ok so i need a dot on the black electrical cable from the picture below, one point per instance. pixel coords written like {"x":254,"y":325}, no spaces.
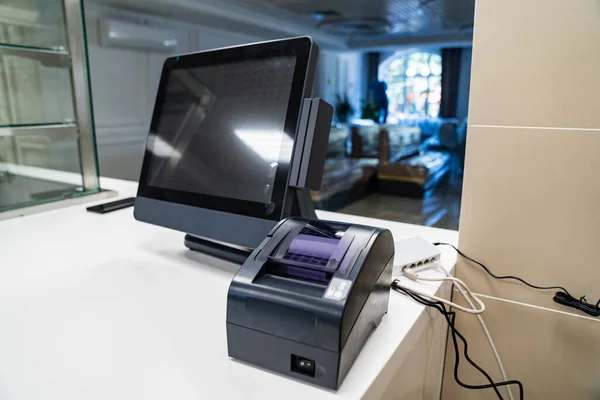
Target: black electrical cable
{"x":565,"y":299}
{"x":580,"y":304}
{"x":448,"y":315}
{"x":502,"y":277}
{"x":450,"y":319}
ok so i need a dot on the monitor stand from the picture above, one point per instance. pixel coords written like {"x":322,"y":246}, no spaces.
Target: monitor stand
{"x":232,"y":254}
{"x":302,"y":206}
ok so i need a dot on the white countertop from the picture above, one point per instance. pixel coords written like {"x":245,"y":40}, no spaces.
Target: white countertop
{"x":104,"y":307}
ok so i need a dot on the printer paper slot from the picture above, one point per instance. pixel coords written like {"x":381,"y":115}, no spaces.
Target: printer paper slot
{"x":321,"y":248}
{"x":298,"y":270}
{"x":310,"y":254}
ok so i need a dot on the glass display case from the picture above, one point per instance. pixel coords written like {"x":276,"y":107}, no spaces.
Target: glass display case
{"x":47,"y":143}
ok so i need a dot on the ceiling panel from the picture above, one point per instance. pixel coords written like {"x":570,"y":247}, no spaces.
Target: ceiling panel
{"x":403,"y":16}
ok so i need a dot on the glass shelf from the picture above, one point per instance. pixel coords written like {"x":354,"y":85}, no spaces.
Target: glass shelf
{"x":33,"y":93}
{"x":34,"y":23}
{"x":18,"y":191}
{"x":47,"y":57}
{"x":59,"y":50}
{"x":54,"y":131}
{"x":47,"y":148}
{"x":42,"y":124}
{"x":51,"y":147}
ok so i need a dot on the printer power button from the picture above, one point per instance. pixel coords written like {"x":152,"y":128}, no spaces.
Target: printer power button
{"x":303,"y":365}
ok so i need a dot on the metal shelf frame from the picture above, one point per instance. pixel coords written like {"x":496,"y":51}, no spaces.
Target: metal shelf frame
{"x":80,"y":82}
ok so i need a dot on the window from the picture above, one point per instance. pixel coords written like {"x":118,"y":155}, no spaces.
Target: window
{"x":414,"y":84}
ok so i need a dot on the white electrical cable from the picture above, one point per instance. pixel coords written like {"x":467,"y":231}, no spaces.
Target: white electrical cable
{"x":457,"y":282}
{"x":468,"y":295}
{"x":485,"y":330}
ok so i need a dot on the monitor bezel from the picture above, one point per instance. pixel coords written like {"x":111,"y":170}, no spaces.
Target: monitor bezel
{"x":305,"y":51}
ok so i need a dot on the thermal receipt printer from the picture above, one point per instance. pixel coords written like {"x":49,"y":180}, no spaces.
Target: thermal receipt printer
{"x":308,"y":297}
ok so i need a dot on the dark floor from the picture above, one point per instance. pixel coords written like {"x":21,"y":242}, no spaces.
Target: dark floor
{"x":440,"y":209}
{"x":18,"y":191}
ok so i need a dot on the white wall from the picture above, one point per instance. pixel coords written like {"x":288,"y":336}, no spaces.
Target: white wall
{"x":339,"y":73}
{"x":325,"y":78}
{"x":350,"y":78}
{"x":211,"y":39}
{"x":124,"y":84}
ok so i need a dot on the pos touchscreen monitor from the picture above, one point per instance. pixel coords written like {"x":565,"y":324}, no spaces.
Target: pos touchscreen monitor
{"x":219,"y":152}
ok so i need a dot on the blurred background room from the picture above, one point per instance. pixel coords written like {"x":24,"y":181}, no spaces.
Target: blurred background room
{"x":396,"y":71}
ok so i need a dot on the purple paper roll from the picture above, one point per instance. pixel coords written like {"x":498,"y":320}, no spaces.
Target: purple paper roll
{"x":314,"y":246}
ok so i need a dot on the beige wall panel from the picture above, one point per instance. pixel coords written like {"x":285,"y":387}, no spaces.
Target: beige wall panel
{"x":554,"y":355}
{"x":530,"y":208}
{"x":536,"y":63}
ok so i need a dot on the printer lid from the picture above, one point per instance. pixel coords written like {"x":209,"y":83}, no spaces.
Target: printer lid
{"x":313,"y":252}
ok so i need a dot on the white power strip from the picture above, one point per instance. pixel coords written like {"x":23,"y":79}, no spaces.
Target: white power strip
{"x":415,"y":253}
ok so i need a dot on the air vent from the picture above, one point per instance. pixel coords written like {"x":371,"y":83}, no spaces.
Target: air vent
{"x":355,"y":26}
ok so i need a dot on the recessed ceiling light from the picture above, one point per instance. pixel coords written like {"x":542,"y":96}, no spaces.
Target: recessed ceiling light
{"x":320,"y":15}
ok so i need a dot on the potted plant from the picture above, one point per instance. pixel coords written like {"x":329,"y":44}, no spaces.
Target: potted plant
{"x":370,"y":111}
{"x":343,"y":108}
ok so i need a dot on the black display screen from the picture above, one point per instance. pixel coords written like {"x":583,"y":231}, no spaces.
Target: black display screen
{"x":220,"y":131}
{"x":224,"y":127}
